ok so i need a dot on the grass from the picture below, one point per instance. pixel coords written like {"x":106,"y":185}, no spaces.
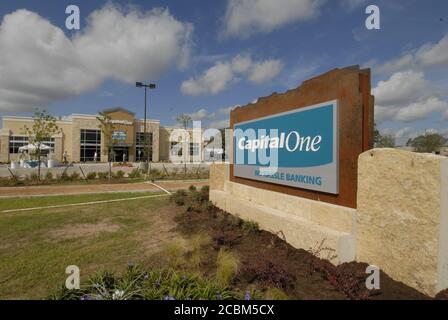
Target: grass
{"x":227,"y":267}
{"x":32,"y":202}
{"x":37,"y":246}
{"x":137,"y":284}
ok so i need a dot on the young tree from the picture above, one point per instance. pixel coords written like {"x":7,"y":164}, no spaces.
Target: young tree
{"x":386,"y":141}
{"x":44,"y":127}
{"x":428,"y":142}
{"x":107,"y":128}
{"x":376,"y":135}
{"x":184,"y":120}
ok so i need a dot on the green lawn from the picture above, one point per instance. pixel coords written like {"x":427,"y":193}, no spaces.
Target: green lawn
{"x":37,"y":246}
{"x":32,"y":202}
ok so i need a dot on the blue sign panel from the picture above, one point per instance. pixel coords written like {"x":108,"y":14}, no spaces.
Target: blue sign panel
{"x":119,"y":135}
{"x":298,"y":148}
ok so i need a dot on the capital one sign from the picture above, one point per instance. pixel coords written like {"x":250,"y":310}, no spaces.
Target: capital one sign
{"x":298,"y":148}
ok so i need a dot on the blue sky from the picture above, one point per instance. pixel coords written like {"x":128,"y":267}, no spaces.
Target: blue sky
{"x":207,"y":56}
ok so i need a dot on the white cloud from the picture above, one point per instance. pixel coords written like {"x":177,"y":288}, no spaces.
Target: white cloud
{"x":213,"y":81}
{"x":213,"y":119}
{"x":221,"y":75}
{"x":384,"y":113}
{"x":401,"y":88}
{"x":226,"y":111}
{"x":402,"y":63}
{"x":220,"y":124}
{"x":241,"y":63}
{"x":39,"y":64}
{"x":351,"y":5}
{"x":199,"y":115}
{"x":265,"y":71}
{"x":246,"y":17}
{"x":428,"y":56}
{"x":407,"y":113}
{"x":401,"y":135}
{"x":420,"y":110}
{"x":406,"y":96}
{"x":434,"y":55}
{"x":405,"y":133}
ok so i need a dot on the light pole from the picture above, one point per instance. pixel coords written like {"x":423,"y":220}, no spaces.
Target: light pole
{"x":146,"y":145}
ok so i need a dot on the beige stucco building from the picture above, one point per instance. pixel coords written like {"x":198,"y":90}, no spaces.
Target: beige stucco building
{"x":82,"y":139}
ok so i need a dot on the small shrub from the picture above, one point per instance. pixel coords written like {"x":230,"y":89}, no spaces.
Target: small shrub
{"x":135,"y":174}
{"x":138,"y":284}
{"x":227,"y":268}
{"x":192,"y":188}
{"x":266,"y":269}
{"x":250,"y":227}
{"x":209,"y":207}
{"x":155,"y":173}
{"x":48,"y":176}
{"x":275,"y":294}
{"x":197,"y":244}
{"x":34,"y":177}
{"x":321,"y":252}
{"x":64,"y":177}
{"x":174,"y":253}
{"x":103,"y":175}
{"x":179,"y":197}
{"x":119,"y":174}
{"x":199,"y":241}
{"x":75,"y":176}
{"x":205,"y":191}
{"x":91,"y":176}
{"x":6,"y":182}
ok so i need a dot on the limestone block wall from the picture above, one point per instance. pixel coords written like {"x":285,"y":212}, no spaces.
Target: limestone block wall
{"x":58,"y":146}
{"x":302,"y":222}
{"x":4,"y":145}
{"x":399,"y":225}
{"x":402,"y":220}
{"x":218,"y":176}
{"x":152,"y":126}
{"x":82,"y":122}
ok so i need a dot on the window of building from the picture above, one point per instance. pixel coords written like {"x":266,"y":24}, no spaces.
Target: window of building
{"x":16,"y":142}
{"x":140,"y":146}
{"x":176,"y":149}
{"x":90,"y":144}
{"x":49,"y":142}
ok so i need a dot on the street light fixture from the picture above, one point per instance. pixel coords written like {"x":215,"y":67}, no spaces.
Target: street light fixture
{"x":146,"y":86}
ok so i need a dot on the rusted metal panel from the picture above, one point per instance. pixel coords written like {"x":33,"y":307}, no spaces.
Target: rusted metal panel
{"x":351,"y":87}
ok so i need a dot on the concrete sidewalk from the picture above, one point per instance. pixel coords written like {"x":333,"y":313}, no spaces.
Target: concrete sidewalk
{"x":57,"y":190}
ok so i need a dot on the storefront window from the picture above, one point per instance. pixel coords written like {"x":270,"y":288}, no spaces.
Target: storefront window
{"x":17,"y":142}
{"x":140,"y":146}
{"x":90,"y":144}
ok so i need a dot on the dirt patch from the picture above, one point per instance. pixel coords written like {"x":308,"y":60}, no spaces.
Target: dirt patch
{"x":162,"y":230}
{"x":268,"y":261}
{"x":83,"y":230}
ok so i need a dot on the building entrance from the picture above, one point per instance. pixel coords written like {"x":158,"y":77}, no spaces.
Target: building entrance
{"x":120,"y":154}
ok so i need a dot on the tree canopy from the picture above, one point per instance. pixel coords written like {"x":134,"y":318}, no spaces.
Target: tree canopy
{"x":428,"y":142}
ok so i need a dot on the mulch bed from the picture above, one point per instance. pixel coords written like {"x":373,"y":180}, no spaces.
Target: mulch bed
{"x":268,"y":261}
